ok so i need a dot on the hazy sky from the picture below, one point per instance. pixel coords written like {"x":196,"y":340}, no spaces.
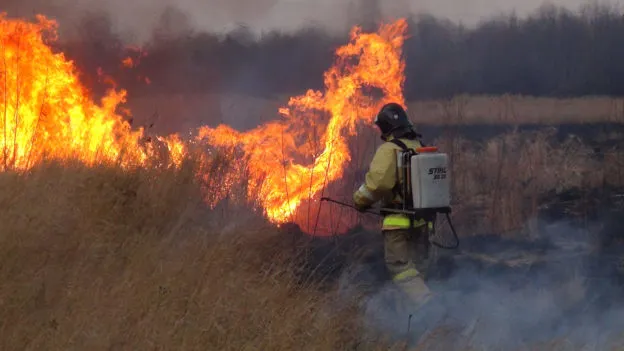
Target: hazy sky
{"x":139,"y":16}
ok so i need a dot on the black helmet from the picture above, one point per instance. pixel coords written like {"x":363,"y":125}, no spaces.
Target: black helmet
{"x":392,"y":120}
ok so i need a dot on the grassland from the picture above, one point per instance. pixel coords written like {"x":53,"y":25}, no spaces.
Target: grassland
{"x":100,"y":258}
{"x":103,"y":259}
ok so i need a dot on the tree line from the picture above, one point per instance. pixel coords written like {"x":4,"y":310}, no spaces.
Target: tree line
{"x":553,"y":52}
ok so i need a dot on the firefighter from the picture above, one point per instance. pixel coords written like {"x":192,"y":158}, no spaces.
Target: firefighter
{"x":406,"y":246}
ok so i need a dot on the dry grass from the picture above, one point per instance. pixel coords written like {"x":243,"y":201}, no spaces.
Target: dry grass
{"x":107,"y":259}
{"x":498,"y":184}
{"x":94,"y":259}
{"x":99,"y":258}
{"x":515,"y":109}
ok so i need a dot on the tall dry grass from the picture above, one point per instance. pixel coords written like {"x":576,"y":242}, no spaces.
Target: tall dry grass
{"x":99,"y":259}
{"x":498,"y":185}
{"x":517,"y":109}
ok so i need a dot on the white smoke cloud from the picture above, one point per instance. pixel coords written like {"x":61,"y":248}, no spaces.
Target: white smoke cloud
{"x":569,"y":298}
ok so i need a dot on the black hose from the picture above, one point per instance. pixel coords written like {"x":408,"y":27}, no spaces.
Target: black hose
{"x":448,"y":218}
{"x":347,"y":205}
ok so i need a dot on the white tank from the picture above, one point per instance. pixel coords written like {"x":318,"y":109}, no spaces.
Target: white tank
{"x":430,"y":180}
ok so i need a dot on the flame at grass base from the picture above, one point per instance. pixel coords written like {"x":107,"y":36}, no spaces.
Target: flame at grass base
{"x":286,"y":161}
{"x":46,"y":113}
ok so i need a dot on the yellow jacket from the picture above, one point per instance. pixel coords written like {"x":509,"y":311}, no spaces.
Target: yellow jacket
{"x":380,"y":181}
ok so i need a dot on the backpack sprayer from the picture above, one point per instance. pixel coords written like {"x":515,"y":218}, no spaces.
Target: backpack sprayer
{"x":424,"y":186}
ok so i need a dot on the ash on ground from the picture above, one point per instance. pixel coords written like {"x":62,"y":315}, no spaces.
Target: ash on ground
{"x":564,"y":288}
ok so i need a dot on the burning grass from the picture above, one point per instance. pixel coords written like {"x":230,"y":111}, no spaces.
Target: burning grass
{"x":46,"y":113}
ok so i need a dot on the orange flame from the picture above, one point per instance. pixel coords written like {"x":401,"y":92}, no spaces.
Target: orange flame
{"x":128,"y":62}
{"x":45,"y":113}
{"x":137,"y":52}
{"x":285,"y":164}
{"x":133,"y":60}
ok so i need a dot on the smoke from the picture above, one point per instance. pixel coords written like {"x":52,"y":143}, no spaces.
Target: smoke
{"x":471,"y":12}
{"x":199,"y":47}
{"x":136,"y":20}
{"x":561,"y":292}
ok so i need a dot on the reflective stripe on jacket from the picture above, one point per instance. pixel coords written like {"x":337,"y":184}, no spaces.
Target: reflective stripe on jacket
{"x":380,"y":181}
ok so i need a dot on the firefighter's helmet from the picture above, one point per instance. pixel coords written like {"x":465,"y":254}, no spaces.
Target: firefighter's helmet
{"x":392,"y":120}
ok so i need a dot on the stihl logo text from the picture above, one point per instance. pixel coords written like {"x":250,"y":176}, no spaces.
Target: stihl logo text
{"x":438,"y":173}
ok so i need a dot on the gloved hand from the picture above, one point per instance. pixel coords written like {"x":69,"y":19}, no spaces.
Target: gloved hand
{"x":360,"y":201}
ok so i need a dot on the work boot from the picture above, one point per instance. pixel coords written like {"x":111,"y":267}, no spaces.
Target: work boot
{"x":417,"y":292}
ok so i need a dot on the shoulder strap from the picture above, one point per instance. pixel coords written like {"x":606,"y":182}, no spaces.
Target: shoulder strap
{"x":402,"y":175}
{"x":400,"y":144}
